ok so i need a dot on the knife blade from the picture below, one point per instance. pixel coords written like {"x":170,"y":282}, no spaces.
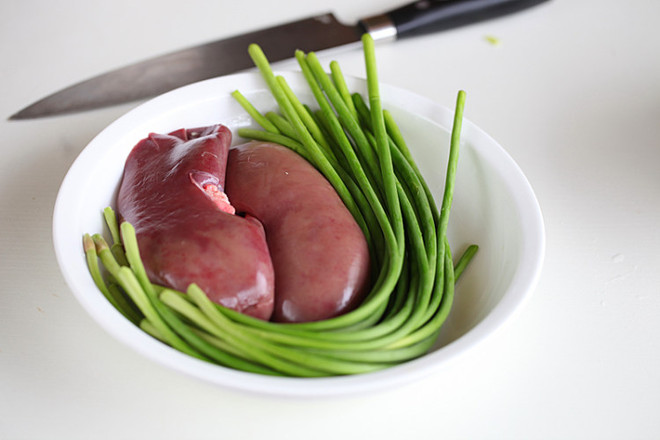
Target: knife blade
{"x":314,"y":34}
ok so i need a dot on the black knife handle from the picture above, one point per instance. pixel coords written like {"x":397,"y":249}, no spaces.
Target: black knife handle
{"x":426,"y":16}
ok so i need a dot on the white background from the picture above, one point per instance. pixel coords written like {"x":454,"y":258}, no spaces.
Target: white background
{"x":572,"y":92}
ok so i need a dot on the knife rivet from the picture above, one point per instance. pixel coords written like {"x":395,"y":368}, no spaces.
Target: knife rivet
{"x":423,"y":4}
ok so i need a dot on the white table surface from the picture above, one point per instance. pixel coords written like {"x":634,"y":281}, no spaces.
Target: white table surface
{"x":572,"y":91}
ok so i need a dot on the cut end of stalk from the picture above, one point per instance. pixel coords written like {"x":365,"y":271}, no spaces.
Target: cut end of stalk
{"x":127,"y":228}
{"x":100,"y":243}
{"x":88,"y":243}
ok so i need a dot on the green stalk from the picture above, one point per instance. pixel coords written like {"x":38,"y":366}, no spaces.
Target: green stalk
{"x":250,"y":133}
{"x":129,"y":282}
{"x":282,"y":124}
{"x":214,"y":351}
{"x":465,"y":259}
{"x":342,"y":88}
{"x":133,"y":256}
{"x":383,"y":149}
{"x":254,"y":113}
{"x":111,"y":221}
{"x":363,"y":153}
{"x":94,"y":270}
{"x":318,"y":362}
{"x":306,"y":118}
{"x":432,"y":327}
{"x":132,"y":286}
{"x":452,"y":164}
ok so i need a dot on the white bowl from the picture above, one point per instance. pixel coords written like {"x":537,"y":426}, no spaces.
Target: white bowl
{"x":494,"y":207}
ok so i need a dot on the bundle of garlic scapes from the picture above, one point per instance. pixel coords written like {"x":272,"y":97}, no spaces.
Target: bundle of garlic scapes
{"x":358,"y":148}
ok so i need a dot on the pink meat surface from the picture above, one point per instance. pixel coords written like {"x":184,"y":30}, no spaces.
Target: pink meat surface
{"x":319,"y":253}
{"x":172,"y":193}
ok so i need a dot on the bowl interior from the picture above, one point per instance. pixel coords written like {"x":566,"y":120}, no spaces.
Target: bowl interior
{"x":494,"y":207}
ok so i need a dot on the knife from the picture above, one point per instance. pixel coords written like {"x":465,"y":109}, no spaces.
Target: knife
{"x":161,"y":74}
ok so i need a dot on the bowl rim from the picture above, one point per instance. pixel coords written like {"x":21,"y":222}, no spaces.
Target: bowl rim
{"x":523,"y":283}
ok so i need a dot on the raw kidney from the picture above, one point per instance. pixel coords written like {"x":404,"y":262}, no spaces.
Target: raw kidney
{"x":172,"y":193}
{"x":319,"y":253}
